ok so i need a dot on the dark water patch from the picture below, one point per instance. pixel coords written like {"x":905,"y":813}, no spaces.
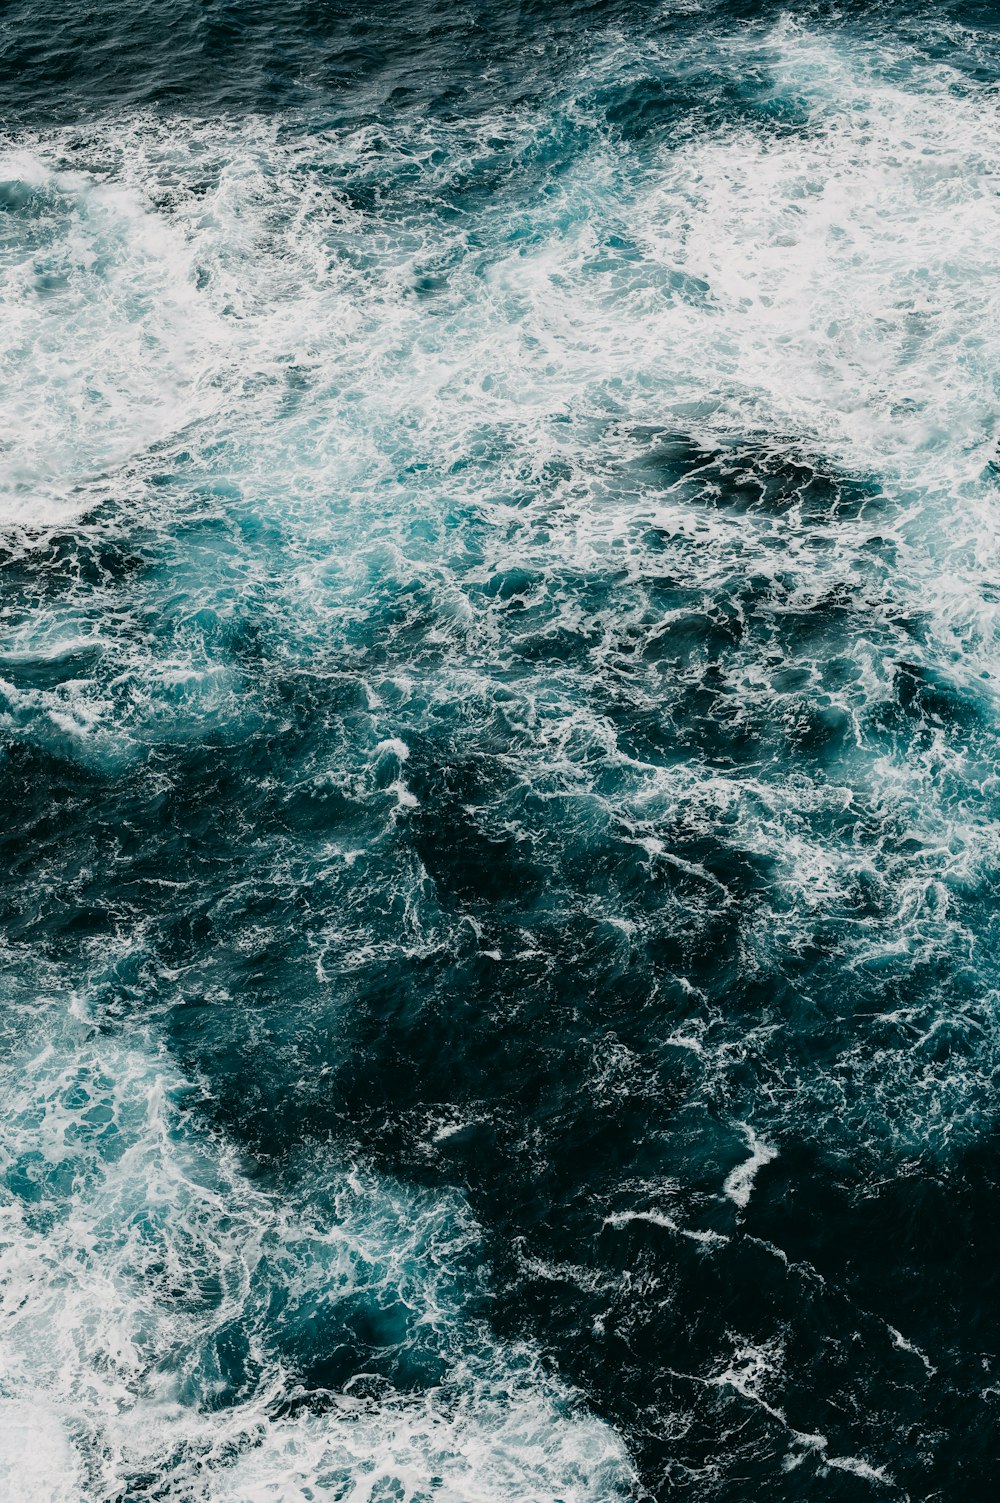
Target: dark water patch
{"x":929,"y":701}
{"x":45,"y":670}
{"x":246,"y":55}
{"x":238,"y":55}
{"x":696,"y":93}
{"x":64,"y":561}
{"x":329,"y":1342}
{"x":466,"y":851}
{"x":742,"y":478}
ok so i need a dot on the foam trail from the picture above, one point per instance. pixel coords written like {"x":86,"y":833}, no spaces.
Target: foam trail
{"x":739,"y":1184}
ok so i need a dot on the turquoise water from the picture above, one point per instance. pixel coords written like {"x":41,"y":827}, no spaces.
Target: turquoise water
{"x":498,"y":652}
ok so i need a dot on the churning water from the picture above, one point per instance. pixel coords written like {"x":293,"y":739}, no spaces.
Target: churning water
{"x":499,"y":602}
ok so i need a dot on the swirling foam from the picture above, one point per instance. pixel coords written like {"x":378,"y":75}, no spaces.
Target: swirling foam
{"x":151,"y":1295}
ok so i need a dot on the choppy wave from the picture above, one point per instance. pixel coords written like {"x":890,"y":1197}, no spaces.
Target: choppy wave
{"x":497,"y":685}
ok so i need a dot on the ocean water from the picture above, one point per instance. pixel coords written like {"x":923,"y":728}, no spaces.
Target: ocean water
{"x":499,"y":603}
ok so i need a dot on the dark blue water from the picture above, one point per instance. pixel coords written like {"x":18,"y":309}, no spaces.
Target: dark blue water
{"x":498,"y":658}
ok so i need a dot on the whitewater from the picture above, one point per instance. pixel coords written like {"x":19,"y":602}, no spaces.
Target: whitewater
{"x":499,"y":604}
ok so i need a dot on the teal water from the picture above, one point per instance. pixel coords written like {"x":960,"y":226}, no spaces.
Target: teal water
{"x":498,"y":652}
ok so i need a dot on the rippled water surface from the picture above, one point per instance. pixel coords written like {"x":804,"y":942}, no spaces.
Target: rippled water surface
{"x":499,"y":598}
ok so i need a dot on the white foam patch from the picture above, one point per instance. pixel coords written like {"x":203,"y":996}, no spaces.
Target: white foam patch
{"x":828,"y":291}
{"x":830,"y":287}
{"x":37,"y":1461}
{"x":845,"y":314}
{"x":133,"y":1249}
{"x":103,"y":337}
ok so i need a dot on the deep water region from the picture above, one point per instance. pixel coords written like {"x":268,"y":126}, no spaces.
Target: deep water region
{"x":499,"y":601}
